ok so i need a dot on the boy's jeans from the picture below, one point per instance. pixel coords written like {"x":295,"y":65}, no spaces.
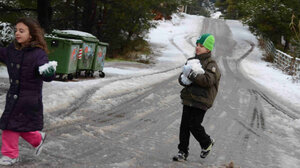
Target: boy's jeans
{"x":10,"y":141}
{"x":191,"y":123}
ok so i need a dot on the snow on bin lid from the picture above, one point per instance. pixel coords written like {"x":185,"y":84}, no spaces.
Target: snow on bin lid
{"x":75,"y":34}
{"x":78,"y":33}
{"x":50,"y":36}
{"x":6,"y":32}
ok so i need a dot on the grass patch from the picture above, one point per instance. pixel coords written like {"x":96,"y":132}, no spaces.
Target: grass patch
{"x":136,"y":51}
{"x":268,"y":57}
{"x":107,"y":59}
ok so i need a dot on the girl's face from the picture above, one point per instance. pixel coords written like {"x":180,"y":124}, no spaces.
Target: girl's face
{"x":200,"y":49}
{"x":22,"y":34}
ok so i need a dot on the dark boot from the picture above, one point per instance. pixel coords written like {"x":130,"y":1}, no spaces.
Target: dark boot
{"x":181,"y":156}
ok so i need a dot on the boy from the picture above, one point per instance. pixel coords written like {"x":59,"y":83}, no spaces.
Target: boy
{"x":200,"y":83}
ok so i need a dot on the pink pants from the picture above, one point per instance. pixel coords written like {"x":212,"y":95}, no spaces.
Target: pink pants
{"x":10,"y":141}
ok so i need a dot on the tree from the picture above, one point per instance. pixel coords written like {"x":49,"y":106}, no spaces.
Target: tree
{"x":197,"y":7}
{"x":222,"y":5}
{"x":40,"y":9}
{"x":89,"y":15}
{"x":268,"y":18}
{"x":295,"y":28}
{"x":12,"y":10}
{"x":123,"y":24}
{"x":44,"y":12}
{"x":167,"y":7}
{"x":232,"y":9}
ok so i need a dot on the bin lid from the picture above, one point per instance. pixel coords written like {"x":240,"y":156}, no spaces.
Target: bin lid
{"x":52,"y":37}
{"x":102,"y":43}
{"x":75,"y":34}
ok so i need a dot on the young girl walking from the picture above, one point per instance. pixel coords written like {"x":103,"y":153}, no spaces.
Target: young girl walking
{"x":27,"y":65}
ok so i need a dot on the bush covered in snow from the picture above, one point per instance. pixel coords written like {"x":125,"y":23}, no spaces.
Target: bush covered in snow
{"x":6,"y":33}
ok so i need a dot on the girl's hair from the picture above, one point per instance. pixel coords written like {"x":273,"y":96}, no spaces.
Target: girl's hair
{"x":36,"y":32}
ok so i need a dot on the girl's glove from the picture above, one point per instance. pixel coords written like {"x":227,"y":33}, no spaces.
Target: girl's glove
{"x":48,"y":69}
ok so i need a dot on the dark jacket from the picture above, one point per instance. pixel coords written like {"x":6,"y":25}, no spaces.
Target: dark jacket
{"x":202,"y":91}
{"x":24,"y":108}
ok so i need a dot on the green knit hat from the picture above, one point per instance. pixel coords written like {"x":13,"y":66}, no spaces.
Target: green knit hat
{"x":207,"y":40}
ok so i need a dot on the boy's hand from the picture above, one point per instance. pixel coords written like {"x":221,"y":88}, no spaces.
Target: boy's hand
{"x":185,"y":80}
{"x":192,"y":74}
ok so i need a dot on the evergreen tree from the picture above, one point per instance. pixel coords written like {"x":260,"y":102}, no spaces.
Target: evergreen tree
{"x":198,"y":7}
{"x":268,"y":18}
{"x":222,"y":5}
{"x":122,"y":24}
{"x":232,"y":9}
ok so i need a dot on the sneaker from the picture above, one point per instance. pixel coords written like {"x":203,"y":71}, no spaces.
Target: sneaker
{"x":7,"y":161}
{"x":39,"y":148}
{"x":205,"y":152}
{"x":181,"y":156}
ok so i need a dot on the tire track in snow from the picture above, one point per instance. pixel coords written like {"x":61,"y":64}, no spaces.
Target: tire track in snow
{"x":260,"y":93}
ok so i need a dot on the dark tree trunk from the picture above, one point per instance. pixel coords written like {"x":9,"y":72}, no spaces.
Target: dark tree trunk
{"x":44,"y":12}
{"x":76,"y":15}
{"x":101,"y":21}
{"x":89,"y":16}
{"x":286,"y":45}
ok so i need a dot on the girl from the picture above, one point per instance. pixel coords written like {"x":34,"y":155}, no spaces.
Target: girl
{"x":23,"y":113}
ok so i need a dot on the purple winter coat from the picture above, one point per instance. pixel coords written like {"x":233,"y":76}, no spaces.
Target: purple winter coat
{"x":24,"y":107}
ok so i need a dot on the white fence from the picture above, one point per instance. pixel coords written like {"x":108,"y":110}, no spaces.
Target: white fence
{"x":284,"y":61}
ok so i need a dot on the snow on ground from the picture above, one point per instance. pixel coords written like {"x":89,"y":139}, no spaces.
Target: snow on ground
{"x":272,"y":80}
{"x":216,"y":15}
{"x":3,"y":72}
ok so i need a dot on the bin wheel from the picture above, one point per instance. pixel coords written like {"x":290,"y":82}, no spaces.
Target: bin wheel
{"x":63,"y":77}
{"x":70,"y":76}
{"x":87,"y":73}
{"x":77,"y":74}
{"x":101,"y":74}
{"x":60,"y":77}
{"x":92,"y":73}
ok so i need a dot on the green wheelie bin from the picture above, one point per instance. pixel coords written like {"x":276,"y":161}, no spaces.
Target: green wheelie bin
{"x":98,"y":63}
{"x":88,"y":47}
{"x":65,"y":51}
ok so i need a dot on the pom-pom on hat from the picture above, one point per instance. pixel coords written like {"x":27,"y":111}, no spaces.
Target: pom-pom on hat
{"x":207,"y":40}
